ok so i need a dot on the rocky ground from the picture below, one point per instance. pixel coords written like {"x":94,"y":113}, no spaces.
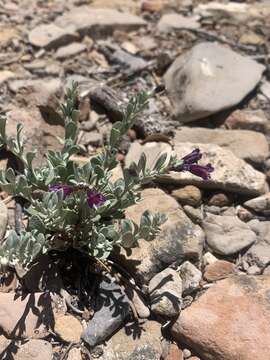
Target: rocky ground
{"x":203,"y":284}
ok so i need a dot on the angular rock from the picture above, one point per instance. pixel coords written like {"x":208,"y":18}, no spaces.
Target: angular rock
{"x":165,"y":291}
{"x":260,"y":204}
{"x":259,"y":253}
{"x":69,"y":50}
{"x":95,"y":22}
{"x":74,"y":354}
{"x":209,"y":259}
{"x":3,"y":219}
{"x":6,"y":75}
{"x":25,"y":317}
{"x":68,"y":328}
{"x":227,"y":235}
{"x":188,"y":195}
{"x":247,"y":145}
{"x":218,"y":270}
{"x":125,"y":345}
{"x":179,"y":237}
{"x":247,"y":120}
{"x":190,"y":276}
{"x":174,"y":21}
{"x":231,"y":173}
{"x":113,"y":308}
{"x":34,"y":349}
{"x":228,"y":320}
{"x":196,"y":79}
{"x":196,"y":215}
{"x":51,"y":36}
{"x":175,"y":353}
{"x":219,"y":199}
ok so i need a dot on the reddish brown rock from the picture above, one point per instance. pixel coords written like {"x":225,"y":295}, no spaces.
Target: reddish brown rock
{"x":27,"y":316}
{"x":230,"y":321}
{"x":175,"y":353}
{"x":218,"y":270}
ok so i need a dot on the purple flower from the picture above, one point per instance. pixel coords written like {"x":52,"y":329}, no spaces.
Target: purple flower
{"x":193,"y":157}
{"x":201,"y":171}
{"x":190,"y":163}
{"x":67,"y":189}
{"x":95,"y":198}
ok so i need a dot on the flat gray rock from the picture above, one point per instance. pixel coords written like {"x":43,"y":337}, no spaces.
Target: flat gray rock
{"x":174,"y":21}
{"x":51,"y":36}
{"x":209,"y":78}
{"x":70,"y":50}
{"x":96,"y":22}
{"x":227,"y":235}
{"x":247,"y":145}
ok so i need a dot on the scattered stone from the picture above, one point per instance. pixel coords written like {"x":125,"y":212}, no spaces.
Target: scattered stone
{"x":6,"y":35}
{"x":31,"y":315}
{"x":3,"y":219}
{"x":228,"y":320}
{"x":68,"y":328}
{"x":231,"y":174}
{"x":196,"y":215}
{"x":165,"y":291}
{"x":135,"y":342}
{"x":6,"y":75}
{"x":33,"y":349}
{"x":96,"y":22}
{"x":219,"y":199}
{"x":209,"y":259}
{"x":227,"y":235}
{"x":254,"y":270}
{"x":251,"y":38}
{"x":112,"y":310}
{"x":74,"y":354}
{"x":260,"y":204}
{"x":247,"y":145}
{"x":69,"y":50}
{"x":128,"y":61}
{"x":244,"y":214}
{"x":152,"y":5}
{"x":179,"y":237}
{"x":259,"y":253}
{"x":138,"y":302}
{"x":247,"y":120}
{"x":218,"y":270}
{"x":188,"y":195}
{"x":190,"y":276}
{"x":93,"y":138}
{"x":187,"y":353}
{"x":51,"y":36}
{"x":196,"y":79}
{"x":175,"y":353}
{"x":173,"y":21}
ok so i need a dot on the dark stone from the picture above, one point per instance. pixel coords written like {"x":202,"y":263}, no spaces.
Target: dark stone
{"x":111,"y":310}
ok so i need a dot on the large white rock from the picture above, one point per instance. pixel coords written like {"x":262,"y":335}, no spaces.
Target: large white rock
{"x":209,"y":78}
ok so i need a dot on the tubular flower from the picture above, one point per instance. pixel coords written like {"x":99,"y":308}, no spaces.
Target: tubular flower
{"x":190,"y":163}
{"x":95,"y":198}
{"x":67,"y":189}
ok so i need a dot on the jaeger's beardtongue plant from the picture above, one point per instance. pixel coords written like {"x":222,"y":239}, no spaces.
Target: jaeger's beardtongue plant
{"x":73,"y":206}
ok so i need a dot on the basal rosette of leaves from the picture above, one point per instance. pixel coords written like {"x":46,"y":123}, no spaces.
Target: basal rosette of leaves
{"x":57,"y":220}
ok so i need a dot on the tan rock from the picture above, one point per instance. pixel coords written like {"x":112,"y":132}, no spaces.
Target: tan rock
{"x":230,"y":321}
{"x":175,"y":353}
{"x":178,"y":238}
{"x":6,"y":75}
{"x":260,"y":204}
{"x":219,"y":199}
{"x":29,"y":316}
{"x":188,"y":195}
{"x":74,"y":354}
{"x":218,"y":270}
{"x":68,"y":328}
{"x":34,"y":349}
{"x":247,"y":120}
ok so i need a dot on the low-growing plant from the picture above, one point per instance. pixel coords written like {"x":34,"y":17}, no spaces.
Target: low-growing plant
{"x":78,"y":206}
{"x":69,"y":205}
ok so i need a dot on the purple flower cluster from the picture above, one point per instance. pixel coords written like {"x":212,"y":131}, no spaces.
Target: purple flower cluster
{"x":94,"y":198}
{"x":190,"y":163}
